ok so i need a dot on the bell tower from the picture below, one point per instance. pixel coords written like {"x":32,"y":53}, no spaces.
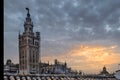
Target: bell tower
{"x":29,"y":44}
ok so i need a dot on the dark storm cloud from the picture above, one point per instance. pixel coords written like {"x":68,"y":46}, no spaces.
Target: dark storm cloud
{"x":63,"y":23}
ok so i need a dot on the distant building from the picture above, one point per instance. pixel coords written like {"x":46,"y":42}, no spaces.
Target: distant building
{"x":29,"y":44}
{"x":56,"y":68}
{"x":9,"y":67}
{"x":104,"y":71}
{"x":46,"y":68}
{"x":60,"y":67}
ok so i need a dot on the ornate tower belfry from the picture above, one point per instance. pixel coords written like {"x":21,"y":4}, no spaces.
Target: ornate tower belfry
{"x":29,"y":44}
{"x":28,"y":25}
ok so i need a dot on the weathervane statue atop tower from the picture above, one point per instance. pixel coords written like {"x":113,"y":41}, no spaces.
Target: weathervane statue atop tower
{"x":28,"y":12}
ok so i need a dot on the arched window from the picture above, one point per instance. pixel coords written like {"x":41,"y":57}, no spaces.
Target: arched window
{"x":30,"y":29}
{"x":29,"y":41}
{"x":25,"y":28}
{"x":33,"y":58}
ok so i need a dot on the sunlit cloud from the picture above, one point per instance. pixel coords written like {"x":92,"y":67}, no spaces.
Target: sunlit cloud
{"x":95,"y":57}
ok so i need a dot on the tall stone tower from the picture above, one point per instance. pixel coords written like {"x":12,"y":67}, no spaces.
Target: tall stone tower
{"x":29,"y":44}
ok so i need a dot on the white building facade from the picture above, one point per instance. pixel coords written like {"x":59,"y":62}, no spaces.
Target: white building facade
{"x":29,"y":44}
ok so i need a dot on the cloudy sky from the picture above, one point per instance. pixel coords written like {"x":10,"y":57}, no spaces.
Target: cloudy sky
{"x":84,"y":33}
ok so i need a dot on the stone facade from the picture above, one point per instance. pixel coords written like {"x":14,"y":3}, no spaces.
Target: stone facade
{"x":9,"y":67}
{"x":29,"y":44}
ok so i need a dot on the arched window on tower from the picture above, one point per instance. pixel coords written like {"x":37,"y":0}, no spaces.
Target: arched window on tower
{"x":30,"y":29}
{"x":33,"y":58}
{"x":23,"y":54}
{"x":36,"y":56}
{"x":25,"y":29}
{"x":29,"y":41}
{"x":30,"y":55}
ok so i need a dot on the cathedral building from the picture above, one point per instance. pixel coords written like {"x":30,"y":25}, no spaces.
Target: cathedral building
{"x":29,"y":44}
{"x":104,"y":71}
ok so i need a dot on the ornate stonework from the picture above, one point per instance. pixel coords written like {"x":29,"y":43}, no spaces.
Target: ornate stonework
{"x":29,"y":44}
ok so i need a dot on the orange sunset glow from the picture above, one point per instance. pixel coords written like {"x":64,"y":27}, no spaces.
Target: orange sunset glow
{"x":89,"y":58}
{"x":61,"y":39}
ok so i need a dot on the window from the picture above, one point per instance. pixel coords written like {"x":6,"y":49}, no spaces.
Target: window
{"x":30,"y":29}
{"x":36,"y":43}
{"x":23,"y":62}
{"x":25,"y":29}
{"x":29,"y":41}
{"x":33,"y":58}
{"x":20,"y":42}
{"x":33,"y":66}
{"x":33,"y":41}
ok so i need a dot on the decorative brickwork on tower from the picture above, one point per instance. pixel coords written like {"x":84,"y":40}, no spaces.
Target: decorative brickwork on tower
{"x":29,"y":44}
